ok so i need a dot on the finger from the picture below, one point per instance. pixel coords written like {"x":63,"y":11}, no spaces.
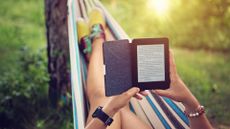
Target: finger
{"x":164,"y":93}
{"x":172,"y":62}
{"x":131,"y":92}
{"x":144,"y":93}
{"x":138,"y":96}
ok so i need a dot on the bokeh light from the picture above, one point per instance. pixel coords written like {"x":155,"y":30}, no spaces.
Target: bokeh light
{"x":160,"y":7}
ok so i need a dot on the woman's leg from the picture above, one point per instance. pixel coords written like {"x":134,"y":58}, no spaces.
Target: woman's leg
{"x":130,"y":121}
{"x":95,"y":83}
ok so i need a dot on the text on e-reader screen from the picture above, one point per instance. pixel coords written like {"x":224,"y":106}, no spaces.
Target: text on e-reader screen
{"x":150,"y":63}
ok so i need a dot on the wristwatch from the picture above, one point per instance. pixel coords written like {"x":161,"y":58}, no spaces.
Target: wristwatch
{"x":98,"y":113}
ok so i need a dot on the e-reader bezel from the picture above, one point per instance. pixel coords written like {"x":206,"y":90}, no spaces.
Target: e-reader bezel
{"x":155,"y":84}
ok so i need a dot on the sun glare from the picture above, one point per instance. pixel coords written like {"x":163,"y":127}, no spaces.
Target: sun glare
{"x":159,"y":6}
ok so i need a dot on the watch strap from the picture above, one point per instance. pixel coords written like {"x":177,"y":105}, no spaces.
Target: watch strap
{"x":102,"y":116}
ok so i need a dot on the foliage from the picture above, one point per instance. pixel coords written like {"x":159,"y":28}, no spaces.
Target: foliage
{"x":24,"y":102}
{"x":23,"y":89}
{"x":24,"y":79}
{"x":192,"y":24}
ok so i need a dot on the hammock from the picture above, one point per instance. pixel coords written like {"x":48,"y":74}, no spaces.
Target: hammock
{"x":159,"y":112}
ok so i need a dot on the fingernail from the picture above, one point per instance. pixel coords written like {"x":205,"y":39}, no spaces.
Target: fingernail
{"x":140,"y":95}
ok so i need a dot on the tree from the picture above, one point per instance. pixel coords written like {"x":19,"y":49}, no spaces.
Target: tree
{"x":57,"y":48}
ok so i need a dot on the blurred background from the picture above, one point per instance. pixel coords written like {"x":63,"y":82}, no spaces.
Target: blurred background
{"x":199,"y":33}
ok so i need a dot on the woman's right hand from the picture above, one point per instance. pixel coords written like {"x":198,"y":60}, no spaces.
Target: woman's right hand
{"x":178,"y":90}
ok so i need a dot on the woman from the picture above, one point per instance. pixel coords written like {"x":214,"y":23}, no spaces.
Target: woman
{"x":116,"y":107}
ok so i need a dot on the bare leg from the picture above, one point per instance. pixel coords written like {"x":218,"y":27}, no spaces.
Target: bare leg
{"x":130,"y":121}
{"x":95,"y":84}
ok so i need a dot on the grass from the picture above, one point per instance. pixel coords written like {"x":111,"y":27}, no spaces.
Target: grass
{"x":21,"y":23}
{"x":206,"y":74}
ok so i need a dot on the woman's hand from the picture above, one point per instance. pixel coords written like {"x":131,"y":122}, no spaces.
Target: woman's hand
{"x":119,"y":101}
{"x":178,"y":90}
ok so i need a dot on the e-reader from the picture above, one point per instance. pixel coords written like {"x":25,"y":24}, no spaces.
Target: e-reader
{"x":150,"y":62}
{"x":143,"y":63}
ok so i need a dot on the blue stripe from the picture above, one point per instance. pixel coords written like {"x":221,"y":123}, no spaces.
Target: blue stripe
{"x":177,"y":110}
{"x":162,"y":119}
{"x":84,"y":66}
{"x":131,"y":108}
{"x":167,"y":112}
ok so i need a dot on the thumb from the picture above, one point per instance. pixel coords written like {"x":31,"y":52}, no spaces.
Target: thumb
{"x":130,"y":93}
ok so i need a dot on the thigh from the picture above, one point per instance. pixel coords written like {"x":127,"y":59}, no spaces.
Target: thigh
{"x":130,"y":121}
{"x":100,"y":102}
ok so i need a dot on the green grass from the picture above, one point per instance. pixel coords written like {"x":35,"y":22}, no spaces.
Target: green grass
{"x":21,"y":23}
{"x":207,"y":75}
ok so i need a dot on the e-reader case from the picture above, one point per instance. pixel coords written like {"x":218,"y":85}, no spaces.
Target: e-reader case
{"x":117,"y":62}
{"x":120,"y":69}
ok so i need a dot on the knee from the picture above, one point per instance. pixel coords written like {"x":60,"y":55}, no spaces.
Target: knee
{"x":95,"y":94}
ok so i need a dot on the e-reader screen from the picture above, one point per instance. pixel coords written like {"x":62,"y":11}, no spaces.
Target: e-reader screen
{"x":150,"y":63}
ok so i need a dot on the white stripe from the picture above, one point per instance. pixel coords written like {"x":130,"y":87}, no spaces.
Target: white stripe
{"x":71,"y":42}
{"x":88,"y":6}
{"x":138,"y":110}
{"x":152,"y":116}
{"x":91,"y":3}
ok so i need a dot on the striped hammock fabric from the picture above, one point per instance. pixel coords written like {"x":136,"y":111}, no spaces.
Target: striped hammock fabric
{"x":159,"y":112}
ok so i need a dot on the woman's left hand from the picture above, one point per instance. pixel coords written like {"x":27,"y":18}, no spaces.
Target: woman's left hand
{"x":119,"y":101}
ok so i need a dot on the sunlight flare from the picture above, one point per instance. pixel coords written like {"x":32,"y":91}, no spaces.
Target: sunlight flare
{"x":160,"y":7}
